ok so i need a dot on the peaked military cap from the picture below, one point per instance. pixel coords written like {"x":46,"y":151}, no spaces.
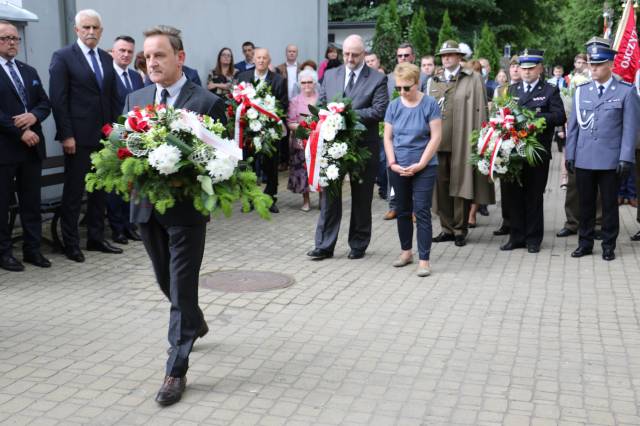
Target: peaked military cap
{"x":449,"y":47}
{"x":599,"y":51}
{"x":529,"y":58}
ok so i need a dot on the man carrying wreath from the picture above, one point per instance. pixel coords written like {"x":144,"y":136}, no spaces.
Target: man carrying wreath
{"x":175,"y":240}
{"x":367,"y":89}
{"x":526,"y":198}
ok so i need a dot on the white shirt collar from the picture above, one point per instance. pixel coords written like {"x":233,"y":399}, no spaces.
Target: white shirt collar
{"x":4,"y":61}
{"x":448,"y":74}
{"x":532,"y":84}
{"x":119,"y":70}
{"x":356,"y":71}
{"x":606,"y":84}
{"x":85,"y":49}
{"x":255,"y":75}
{"x":174,"y":90}
{"x":295,"y":64}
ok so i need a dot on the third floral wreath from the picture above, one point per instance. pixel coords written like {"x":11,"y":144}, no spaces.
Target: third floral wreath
{"x":507,"y":141}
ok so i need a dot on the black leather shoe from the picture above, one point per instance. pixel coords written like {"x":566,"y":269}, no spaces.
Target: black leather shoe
{"x":356,"y":254}
{"x":483,"y":210}
{"x":274,"y":208}
{"x":581,"y":251}
{"x":460,"y":241}
{"x":37,"y":259}
{"x":74,"y":253}
{"x":102,"y":246}
{"x":120,"y":239}
{"x":503,"y":230}
{"x":132,"y":235}
{"x":533,"y":248}
{"x":636,"y":237}
{"x":171,"y":390}
{"x":508,"y":246}
{"x":10,"y":263}
{"x":442,"y":237}
{"x":318,"y":254}
{"x":565,"y":232}
{"x":608,"y":254}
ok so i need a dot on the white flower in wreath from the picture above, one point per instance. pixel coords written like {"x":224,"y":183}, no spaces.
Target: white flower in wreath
{"x":332,"y":172}
{"x":272,"y":133}
{"x":338,"y":150}
{"x":252,"y":114}
{"x":324,"y":162}
{"x":506,"y":147}
{"x":165,"y":159}
{"x":180,"y":125}
{"x":483,"y":167}
{"x":328,"y":131}
{"x":270,"y":103}
{"x":323,"y":182}
{"x":255,"y":125}
{"x":257,"y":143}
{"x":221,"y":168}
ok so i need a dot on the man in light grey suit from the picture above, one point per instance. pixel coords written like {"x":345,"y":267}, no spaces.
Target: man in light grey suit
{"x":367,"y":90}
{"x":603,"y":130}
{"x":175,"y":240}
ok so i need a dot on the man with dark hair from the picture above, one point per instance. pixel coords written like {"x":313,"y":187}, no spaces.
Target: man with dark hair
{"x":24,"y":107}
{"x":248,"y":51}
{"x":84,"y":97}
{"x":127,"y":80}
{"x":174,"y":240}
{"x":428,"y":65}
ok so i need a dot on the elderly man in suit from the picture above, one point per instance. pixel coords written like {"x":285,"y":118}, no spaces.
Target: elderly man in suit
{"x":526,"y":199}
{"x":175,"y":240}
{"x":367,"y":89}
{"x":261,"y":72}
{"x":84,"y":97}
{"x":127,"y":80}
{"x":603,"y":130}
{"x":24,"y":106}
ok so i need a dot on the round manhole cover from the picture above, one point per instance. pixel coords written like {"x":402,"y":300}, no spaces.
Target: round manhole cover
{"x":245,"y":281}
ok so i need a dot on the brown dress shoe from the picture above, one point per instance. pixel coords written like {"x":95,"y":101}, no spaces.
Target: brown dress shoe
{"x":171,"y":390}
{"x":390,"y":215}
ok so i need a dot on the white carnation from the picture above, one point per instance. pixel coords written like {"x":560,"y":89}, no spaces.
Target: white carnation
{"x":270,"y":103}
{"x":272,"y":133}
{"x":328,"y":132}
{"x":483,"y":167}
{"x":257,"y":143}
{"x":332,"y":172}
{"x":252,"y":114}
{"x":338,"y":150}
{"x":165,"y":159}
{"x":179,"y":125}
{"x":324,"y":162}
{"x":506,"y":147}
{"x":221,"y":168}
{"x":255,"y":125}
{"x":323,"y":182}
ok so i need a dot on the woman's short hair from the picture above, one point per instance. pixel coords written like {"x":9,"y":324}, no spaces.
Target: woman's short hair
{"x":306,"y":73}
{"x":407,"y":71}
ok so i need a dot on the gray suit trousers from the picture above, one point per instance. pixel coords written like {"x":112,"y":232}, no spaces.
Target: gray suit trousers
{"x":176,"y":253}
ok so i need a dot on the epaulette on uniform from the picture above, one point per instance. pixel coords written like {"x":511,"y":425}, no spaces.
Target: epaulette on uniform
{"x":585,"y":83}
{"x":625,"y":83}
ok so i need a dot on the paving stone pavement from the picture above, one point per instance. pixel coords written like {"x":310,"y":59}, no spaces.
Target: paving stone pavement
{"x":491,"y":338}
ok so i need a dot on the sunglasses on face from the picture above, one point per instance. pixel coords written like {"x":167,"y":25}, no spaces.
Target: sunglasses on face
{"x":405,"y":88}
{"x":403,"y":55}
{"x":306,"y":82}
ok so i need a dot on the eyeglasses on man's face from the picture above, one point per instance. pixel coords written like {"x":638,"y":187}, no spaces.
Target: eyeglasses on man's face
{"x":8,"y":39}
{"x":306,"y":82}
{"x":403,"y":55}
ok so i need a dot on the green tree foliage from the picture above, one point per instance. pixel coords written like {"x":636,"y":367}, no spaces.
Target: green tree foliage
{"x":488,"y":48}
{"x":418,"y":34}
{"x":447,"y":31}
{"x":388,"y":35}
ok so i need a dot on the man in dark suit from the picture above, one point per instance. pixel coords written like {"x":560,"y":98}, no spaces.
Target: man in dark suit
{"x":84,"y":97}
{"x":24,"y":106}
{"x":367,"y":90}
{"x":127,"y":80}
{"x":526,"y":200}
{"x":278,"y":85}
{"x":175,"y":240}
{"x":248,"y":63}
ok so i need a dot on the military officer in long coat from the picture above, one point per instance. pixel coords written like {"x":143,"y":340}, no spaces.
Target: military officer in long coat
{"x":603,"y":130}
{"x":461,"y":94}
{"x":526,"y":198}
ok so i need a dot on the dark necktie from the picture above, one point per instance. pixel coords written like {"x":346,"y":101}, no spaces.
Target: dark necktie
{"x":558,"y":83}
{"x":601,"y":89}
{"x":16,"y":80}
{"x":528,"y":90}
{"x":350,"y":84}
{"x":96,"y":67}
{"x":164,"y":97}
{"x":127,"y":83}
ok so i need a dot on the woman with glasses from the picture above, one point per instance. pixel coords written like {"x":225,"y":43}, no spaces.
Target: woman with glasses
{"x":412,"y":131}
{"x":221,"y":77}
{"x":298,"y":108}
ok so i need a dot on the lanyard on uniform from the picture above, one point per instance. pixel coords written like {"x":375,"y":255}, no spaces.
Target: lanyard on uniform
{"x":584,"y":122}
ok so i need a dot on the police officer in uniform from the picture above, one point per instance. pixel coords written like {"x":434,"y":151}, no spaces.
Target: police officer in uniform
{"x":526,"y":202}
{"x":603,"y":130}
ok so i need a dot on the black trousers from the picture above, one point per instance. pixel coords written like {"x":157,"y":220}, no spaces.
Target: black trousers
{"x":176,"y":255}
{"x":76,"y":167}
{"x":525,"y":204}
{"x":270,"y":170}
{"x":118,"y":213}
{"x":588,"y":182}
{"x":504,"y":205}
{"x":27,"y":177}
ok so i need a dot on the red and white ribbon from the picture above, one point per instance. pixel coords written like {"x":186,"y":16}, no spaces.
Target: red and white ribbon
{"x":205,"y":135}
{"x":494,"y":155}
{"x":313,"y":150}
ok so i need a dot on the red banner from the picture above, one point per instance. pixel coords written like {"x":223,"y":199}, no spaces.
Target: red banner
{"x":627,"y":59}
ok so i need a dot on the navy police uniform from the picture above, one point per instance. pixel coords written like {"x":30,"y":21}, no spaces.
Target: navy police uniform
{"x":601,"y":139}
{"x":525,"y":202}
